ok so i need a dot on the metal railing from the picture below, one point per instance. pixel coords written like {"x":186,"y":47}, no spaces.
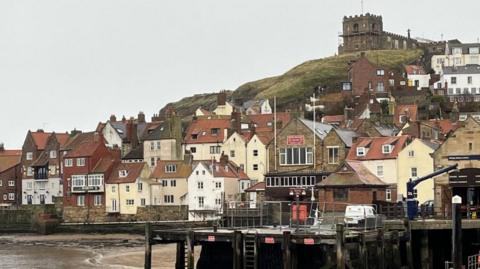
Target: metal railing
{"x":473,"y":262}
{"x":312,"y":216}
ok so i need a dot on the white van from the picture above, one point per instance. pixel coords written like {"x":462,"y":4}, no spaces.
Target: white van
{"x":354,"y":214}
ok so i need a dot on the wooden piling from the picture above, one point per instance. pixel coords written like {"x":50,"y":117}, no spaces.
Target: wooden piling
{"x":424,"y":250}
{"x":148,"y":246}
{"x":363,"y":251}
{"x":237,"y":250}
{"x":180,"y":259}
{"x":380,"y":249}
{"x":340,"y":246}
{"x":190,"y":249}
{"x":397,"y":263}
{"x":408,"y":244}
{"x":287,"y":256}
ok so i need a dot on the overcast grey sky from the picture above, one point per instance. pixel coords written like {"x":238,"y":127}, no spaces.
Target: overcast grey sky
{"x":70,"y":64}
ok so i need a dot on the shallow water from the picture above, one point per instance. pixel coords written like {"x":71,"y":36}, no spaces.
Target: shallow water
{"x":43,"y":257}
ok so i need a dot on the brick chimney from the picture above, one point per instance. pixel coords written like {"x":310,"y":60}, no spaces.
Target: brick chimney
{"x":223,"y":159}
{"x":236,"y":123}
{"x":141,"y":117}
{"x":252,"y":128}
{"x":222,"y":98}
{"x":113,"y":118}
{"x":124,"y":119}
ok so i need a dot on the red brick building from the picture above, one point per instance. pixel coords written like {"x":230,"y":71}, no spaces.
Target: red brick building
{"x":366,"y":76}
{"x":10,"y":177}
{"x":353,"y":184}
{"x":87,"y":163}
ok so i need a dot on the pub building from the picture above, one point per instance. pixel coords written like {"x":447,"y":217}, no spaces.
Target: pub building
{"x":462,"y":147}
{"x":298,"y":160}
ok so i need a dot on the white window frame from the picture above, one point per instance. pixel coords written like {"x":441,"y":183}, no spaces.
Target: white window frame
{"x":68,"y":162}
{"x":80,"y":162}
{"x":81,"y":200}
{"x":388,"y":195}
{"x":53,"y":154}
{"x":411,"y":153}
{"x":387,"y":149}
{"x":11,"y":183}
{"x":29,"y":156}
{"x":380,"y":172}
{"x":97,"y":200}
{"x":412,"y":169}
{"x":11,"y":196}
{"x":170,"y":168}
{"x":333,"y":159}
{"x":361,"y":151}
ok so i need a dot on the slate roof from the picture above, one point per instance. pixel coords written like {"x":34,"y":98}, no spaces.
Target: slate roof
{"x":134,"y":171}
{"x":347,"y":136}
{"x":162,"y":131}
{"x":228,"y":170}
{"x":467,"y":69}
{"x":353,"y":173}
{"x":322,"y":129}
{"x":134,"y":154}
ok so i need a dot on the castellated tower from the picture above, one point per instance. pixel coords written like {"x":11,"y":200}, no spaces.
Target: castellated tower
{"x":365,"y":32}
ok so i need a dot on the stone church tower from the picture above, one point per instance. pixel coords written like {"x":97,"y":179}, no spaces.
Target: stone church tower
{"x":365,"y":32}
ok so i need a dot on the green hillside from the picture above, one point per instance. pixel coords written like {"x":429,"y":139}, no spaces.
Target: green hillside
{"x":299,"y":82}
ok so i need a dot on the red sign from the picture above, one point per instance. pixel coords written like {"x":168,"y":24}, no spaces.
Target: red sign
{"x":295,"y":140}
{"x":269,"y":240}
{"x":211,"y":238}
{"x":308,"y":241}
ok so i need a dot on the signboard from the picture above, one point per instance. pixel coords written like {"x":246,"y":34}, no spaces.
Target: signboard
{"x":308,"y":241}
{"x":463,"y":157}
{"x":269,"y":240}
{"x":295,"y":140}
{"x":211,"y":238}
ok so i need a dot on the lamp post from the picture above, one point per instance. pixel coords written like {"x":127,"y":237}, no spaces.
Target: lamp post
{"x":296,"y":193}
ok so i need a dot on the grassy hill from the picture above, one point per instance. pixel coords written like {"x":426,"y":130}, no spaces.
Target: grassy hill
{"x":295,"y":85}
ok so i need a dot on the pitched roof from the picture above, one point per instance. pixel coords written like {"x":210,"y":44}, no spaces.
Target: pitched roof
{"x":40,"y":139}
{"x":105,"y":164}
{"x":347,"y":136}
{"x":134,"y":154}
{"x":415,"y":70}
{"x":322,"y":129}
{"x":9,"y":161}
{"x":202,"y":127}
{"x":227,"y":170}
{"x":162,"y":131}
{"x":333,"y":119}
{"x":467,"y":69}
{"x":133,"y":170}
{"x":353,"y":173}
{"x":84,"y":145}
{"x":446,"y":126}
{"x":182,"y":170}
{"x":410,"y":111}
{"x":374,"y":146}
{"x":265,"y":122}
{"x":260,"y":186}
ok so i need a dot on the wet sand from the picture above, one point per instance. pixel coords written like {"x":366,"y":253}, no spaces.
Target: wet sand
{"x":82,"y":251}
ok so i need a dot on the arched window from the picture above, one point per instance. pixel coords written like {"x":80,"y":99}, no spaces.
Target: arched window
{"x":355,"y":28}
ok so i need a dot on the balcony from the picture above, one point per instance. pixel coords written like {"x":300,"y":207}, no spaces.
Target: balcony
{"x":87,"y":189}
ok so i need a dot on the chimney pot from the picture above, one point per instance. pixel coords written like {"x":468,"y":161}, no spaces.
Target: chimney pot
{"x":113,"y":118}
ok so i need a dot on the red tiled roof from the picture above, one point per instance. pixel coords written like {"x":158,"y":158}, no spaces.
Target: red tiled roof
{"x":414,"y":70}
{"x":40,"y":139}
{"x":9,"y":161}
{"x":84,"y":145}
{"x":202,"y":127}
{"x":333,"y":118}
{"x":134,"y":170}
{"x":62,"y":138}
{"x":353,"y":173}
{"x":11,"y":152}
{"x":264,"y":122}
{"x":374,"y":150}
{"x":446,"y":126}
{"x":260,"y":186}
{"x":408,"y":110}
{"x":104,"y":164}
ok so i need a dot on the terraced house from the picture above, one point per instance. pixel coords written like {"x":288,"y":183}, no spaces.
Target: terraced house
{"x":10,"y":177}
{"x":42,"y":180}
{"x":87,"y":163}
{"x":169,"y":182}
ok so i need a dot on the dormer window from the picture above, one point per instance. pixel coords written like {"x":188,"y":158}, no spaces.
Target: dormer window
{"x":360,"y":151}
{"x":170,"y":168}
{"x":386,"y":149}
{"x":122,"y":173}
{"x":214,"y":131}
{"x":194,"y":136}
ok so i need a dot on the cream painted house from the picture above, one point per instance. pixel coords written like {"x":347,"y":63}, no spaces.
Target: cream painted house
{"x":257,"y":157}
{"x":379,"y":155}
{"x":236,"y":149}
{"x":170,"y":182}
{"x":127,"y":188}
{"x":224,"y":109}
{"x":164,"y":142}
{"x":205,"y":136}
{"x":415,"y":161}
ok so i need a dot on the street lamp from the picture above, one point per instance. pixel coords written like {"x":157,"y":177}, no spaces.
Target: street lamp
{"x":297,"y":193}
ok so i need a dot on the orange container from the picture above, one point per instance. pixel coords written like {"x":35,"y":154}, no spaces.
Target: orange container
{"x":302,"y":212}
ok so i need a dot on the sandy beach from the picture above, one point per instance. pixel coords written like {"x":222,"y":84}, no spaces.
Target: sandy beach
{"x":95,"y":250}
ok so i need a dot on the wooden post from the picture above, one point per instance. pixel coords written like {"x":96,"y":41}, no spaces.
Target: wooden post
{"x":408,"y":244}
{"x":456,"y":235}
{"x":363,"y":251}
{"x":190,"y":250}
{"x":180,"y":259}
{"x":148,"y":245}
{"x":380,"y":249}
{"x":340,"y":246}
{"x":397,"y":263}
{"x":424,"y":250}
{"x":287,"y":256}
{"x":237,"y":250}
